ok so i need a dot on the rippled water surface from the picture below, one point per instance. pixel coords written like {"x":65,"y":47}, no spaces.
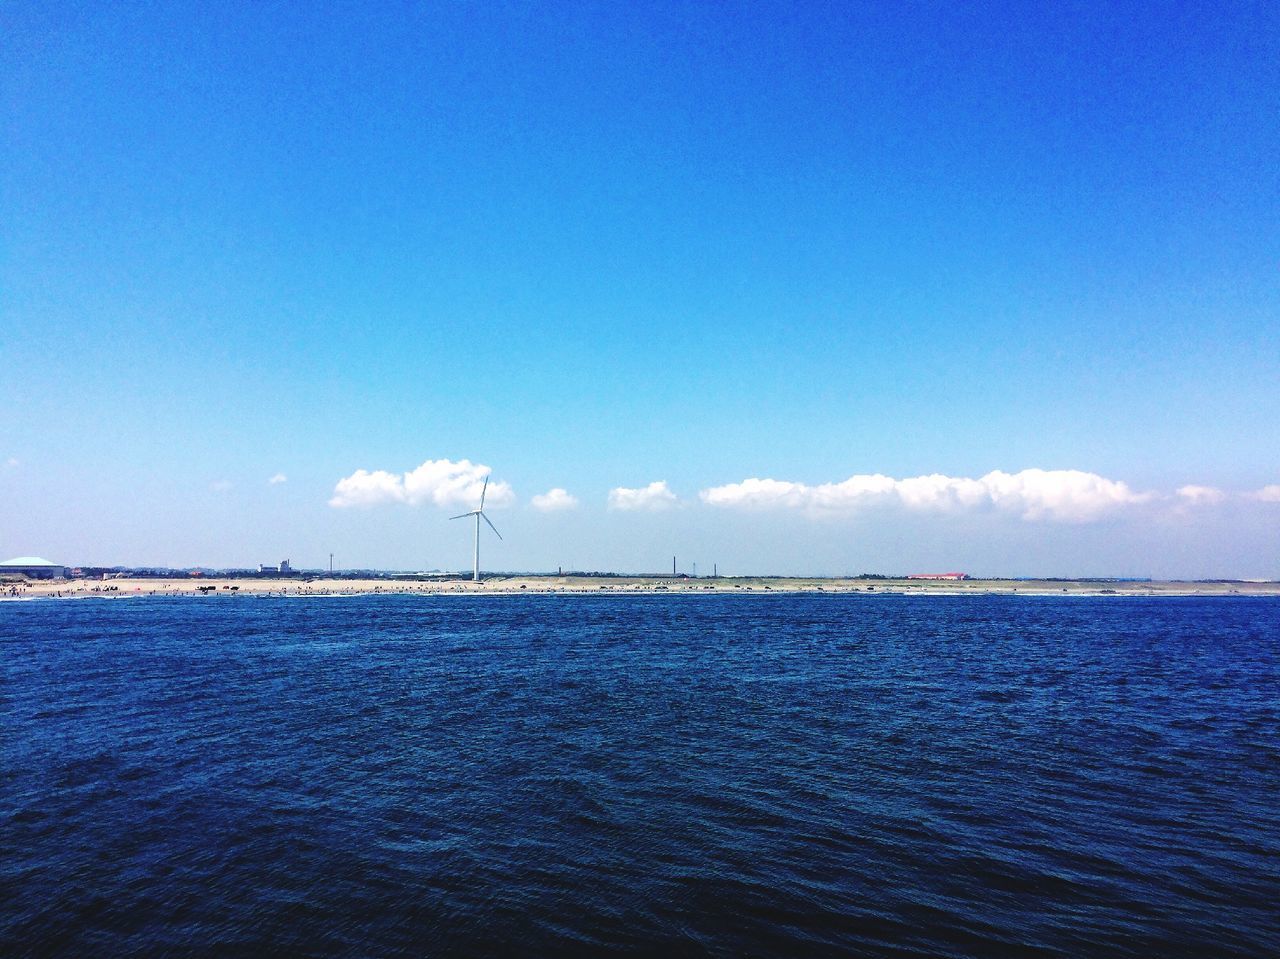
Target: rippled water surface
{"x":758,"y":775}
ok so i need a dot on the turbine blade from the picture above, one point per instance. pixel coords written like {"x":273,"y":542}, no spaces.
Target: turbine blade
{"x":484,"y":489}
{"x":462,"y":515}
{"x":492,"y":527}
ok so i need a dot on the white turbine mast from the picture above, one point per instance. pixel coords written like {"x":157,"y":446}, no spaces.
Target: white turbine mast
{"x":479,"y":515}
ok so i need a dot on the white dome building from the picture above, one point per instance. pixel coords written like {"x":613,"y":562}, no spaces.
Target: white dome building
{"x":32,"y":567}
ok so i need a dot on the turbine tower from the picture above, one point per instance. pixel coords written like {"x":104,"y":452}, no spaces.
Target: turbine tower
{"x":479,"y":515}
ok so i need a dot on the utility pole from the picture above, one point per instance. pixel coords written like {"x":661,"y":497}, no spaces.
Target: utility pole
{"x":715,"y":571}
{"x":695,"y":570}
{"x":673,"y":566}
{"x":330,"y":564}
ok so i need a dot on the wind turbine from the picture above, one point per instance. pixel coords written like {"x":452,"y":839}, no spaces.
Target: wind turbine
{"x":479,"y":515}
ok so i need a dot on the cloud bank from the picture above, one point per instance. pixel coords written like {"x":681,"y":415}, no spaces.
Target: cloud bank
{"x":435,"y":482}
{"x":554,"y":500}
{"x":1063,"y":496}
{"x":652,"y":498}
{"x":1268,"y":494}
{"x":1201,"y":495}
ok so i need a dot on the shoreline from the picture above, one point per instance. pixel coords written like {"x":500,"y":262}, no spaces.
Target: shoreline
{"x":296,"y":587}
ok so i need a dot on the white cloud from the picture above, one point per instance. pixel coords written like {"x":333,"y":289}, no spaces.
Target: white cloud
{"x":220,"y":486}
{"x":446,"y":483}
{"x":656,"y":496}
{"x":364,"y":488}
{"x":554,"y":500}
{"x":1200,"y":495}
{"x":761,"y":493}
{"x":438,"y":482}
{"x":1268,"y":494}
{"x":938,"y":492}
{"x":11,"y":463}
{"x":278,"y":479}
{"x":1069,"y":496}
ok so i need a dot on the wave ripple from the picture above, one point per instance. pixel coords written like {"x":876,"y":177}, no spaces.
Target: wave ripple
{"x":774,"y":776}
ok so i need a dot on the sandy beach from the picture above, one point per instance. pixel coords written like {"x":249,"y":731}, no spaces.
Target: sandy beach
{"x":230,"y":589}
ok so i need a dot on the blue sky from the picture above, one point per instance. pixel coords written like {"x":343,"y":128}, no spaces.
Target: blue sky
{"x":594,"y":248}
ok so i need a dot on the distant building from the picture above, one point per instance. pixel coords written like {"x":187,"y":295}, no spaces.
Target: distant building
{"x":938,"y":576}
{"x":32,"y":567}
{"x":284,"y":567}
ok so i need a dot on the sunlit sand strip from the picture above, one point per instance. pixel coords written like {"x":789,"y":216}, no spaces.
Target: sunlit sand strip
{"x":217,"y":589}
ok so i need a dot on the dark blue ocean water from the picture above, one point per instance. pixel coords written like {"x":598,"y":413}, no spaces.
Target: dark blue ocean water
{"x":774,"y":776}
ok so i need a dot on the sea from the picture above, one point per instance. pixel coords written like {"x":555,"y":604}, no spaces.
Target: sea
{"x":718,"y":775}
